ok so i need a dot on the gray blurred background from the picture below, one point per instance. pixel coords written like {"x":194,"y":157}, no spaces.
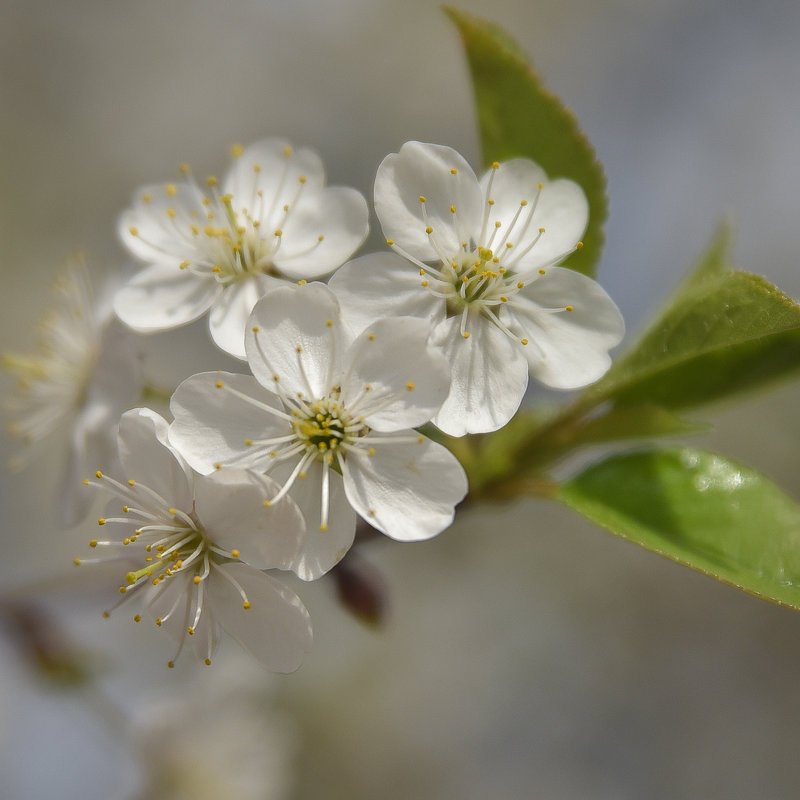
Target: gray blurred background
{"x":526,"y":653}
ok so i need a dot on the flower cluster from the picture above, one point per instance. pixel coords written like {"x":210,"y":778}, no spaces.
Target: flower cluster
{"x":271,"y":469}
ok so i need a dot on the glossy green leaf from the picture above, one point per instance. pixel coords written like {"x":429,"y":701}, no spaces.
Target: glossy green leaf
{"x":701,"y":510}
{"x":517,"y":116}
{"x":732,"y":332}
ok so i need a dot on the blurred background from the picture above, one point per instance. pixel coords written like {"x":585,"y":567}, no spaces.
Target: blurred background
{"x":525,"y":653}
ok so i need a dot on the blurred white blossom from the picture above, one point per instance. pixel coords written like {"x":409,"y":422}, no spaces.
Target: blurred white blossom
{"x":221,"y":247}
{"x":221,"y":740}
{"x":84,"y":373}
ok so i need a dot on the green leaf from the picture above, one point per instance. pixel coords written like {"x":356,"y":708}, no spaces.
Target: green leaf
{"x":715,"y":261}
{"x":519,"y":117}
{"x":729,"y":333}
{"x":701,"y":510}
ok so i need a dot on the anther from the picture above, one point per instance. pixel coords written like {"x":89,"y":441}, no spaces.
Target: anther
{"x":76,"y":562}
{"x":466,"y":334}
{"x":411,"y":386}
{"x":569,"y":308}
{"x":133,"y":230}
{"x":256,"y":329}
{"x":246,"y":605}
{"x":219,"y":384}
{"x":422,"y":199}
{"x":523,"y":341}
{"x":171,"y":189}
{"x":237,"y":150}
{"x":101,"y":521}
{"x":235,"y":553}
{"x":454,"y":171}
{"x":390,"y":242}
{"x":429,"y":230}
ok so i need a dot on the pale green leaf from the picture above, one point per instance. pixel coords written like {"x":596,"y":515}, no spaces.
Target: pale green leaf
{"x":728,"y":333}
{"x":701,"y":510}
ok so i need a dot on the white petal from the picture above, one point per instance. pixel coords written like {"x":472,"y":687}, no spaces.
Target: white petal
{"x":159,"y":298}
{"x":89,"y":449}
{"x":147,"y":457}
{"x":228,"y":319}
{"x":157,"y":230}
{"x":298,"y":339}
{"x":117,"y":379}
{"x":392,"y":377}
{"x":321,"y":549}
{"x":274,"y":168}
{"x":426,"y":170}
{"x":212,"y":425}
{"x":276,"y":628}
{"x":568,"y":349}
{"x":560,"y":207}
{"x":406,"y":490}
{"x":322,"y":231}
{"x":381,"y":285}
{"x":230,"y":506}
{"x":489,"y":376}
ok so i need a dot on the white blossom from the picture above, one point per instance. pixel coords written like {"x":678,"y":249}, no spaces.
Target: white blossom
{"x":222,"y":246}
{"x":476,"y":258}
{"x":330,"y":418}
{"x":84,"y":373}
{"x":195,"y":546}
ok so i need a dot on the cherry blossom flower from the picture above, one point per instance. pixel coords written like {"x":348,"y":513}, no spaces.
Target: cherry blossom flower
{"x":476,"y":258}
{"x":330,"y":418}
{"x":198,"y":545}
{"x":83,"y":375}
{"x":221,"y":247}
